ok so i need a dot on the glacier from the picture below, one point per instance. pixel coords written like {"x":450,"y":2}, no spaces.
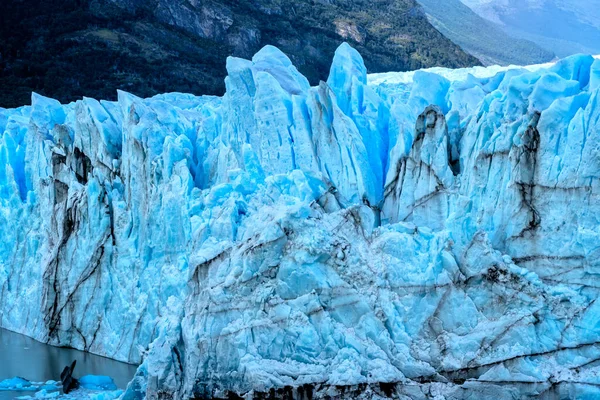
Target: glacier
{"x":427,"y":235}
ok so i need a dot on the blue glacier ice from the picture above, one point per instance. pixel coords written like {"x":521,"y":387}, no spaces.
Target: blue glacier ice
{"x":16,"y":384}
{"x":433,"y":234}
{"x":97,"y":382}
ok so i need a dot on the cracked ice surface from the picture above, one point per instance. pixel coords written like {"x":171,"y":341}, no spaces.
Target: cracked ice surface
{"x":428,"y":237}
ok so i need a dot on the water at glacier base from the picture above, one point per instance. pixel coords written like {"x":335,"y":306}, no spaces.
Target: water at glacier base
{"x":38,"y":362}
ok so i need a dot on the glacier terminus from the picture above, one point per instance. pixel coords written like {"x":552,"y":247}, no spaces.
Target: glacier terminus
{"x":432,"y":235}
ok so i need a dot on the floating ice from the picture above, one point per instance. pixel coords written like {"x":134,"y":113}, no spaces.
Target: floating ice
{"x":16,"y":383}
{"x":97,"y":382}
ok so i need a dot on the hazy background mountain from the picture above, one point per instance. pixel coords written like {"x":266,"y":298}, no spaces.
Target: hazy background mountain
{"x":72,"y":48}
{"x":563,"y":26}
{"x":480,"y":37}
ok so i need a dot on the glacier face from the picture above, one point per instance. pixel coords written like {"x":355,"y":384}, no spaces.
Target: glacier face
{"x":428,"y":237}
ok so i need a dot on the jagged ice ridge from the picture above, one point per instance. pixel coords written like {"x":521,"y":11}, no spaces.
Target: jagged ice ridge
{"x":428,"y":238}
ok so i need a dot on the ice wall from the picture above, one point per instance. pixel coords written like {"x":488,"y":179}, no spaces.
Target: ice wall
{"x":422,"y":238}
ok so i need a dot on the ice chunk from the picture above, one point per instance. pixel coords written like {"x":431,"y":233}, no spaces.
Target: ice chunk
{"x":348,"y":70}
{"x":97,"y":382}
{"x":16,"y":383}
{"x":271,"y":60}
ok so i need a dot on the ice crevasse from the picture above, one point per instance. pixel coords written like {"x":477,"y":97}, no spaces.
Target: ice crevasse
{"x":431,"y":237}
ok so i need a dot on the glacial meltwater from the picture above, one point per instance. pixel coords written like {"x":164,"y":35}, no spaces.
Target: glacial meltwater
{"x":21,"y":356}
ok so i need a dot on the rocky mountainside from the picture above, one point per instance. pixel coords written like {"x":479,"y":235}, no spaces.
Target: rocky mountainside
{"x":73,"y":48}
{"x":480,"y":37}
{"x":565,"y":27}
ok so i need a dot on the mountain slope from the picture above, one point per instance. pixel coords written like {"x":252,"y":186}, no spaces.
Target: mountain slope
{"x":563,"y":26}
{"x":72,"y":48}
{"x":482,"y":38}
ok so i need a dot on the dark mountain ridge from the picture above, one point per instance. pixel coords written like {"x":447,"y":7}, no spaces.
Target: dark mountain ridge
{"x":565,"y":27}
{"x":67,"y":49}
{"x":482,"y":38}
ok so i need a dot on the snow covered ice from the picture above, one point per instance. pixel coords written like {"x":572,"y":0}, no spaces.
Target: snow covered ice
{"x":434,"y":235}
